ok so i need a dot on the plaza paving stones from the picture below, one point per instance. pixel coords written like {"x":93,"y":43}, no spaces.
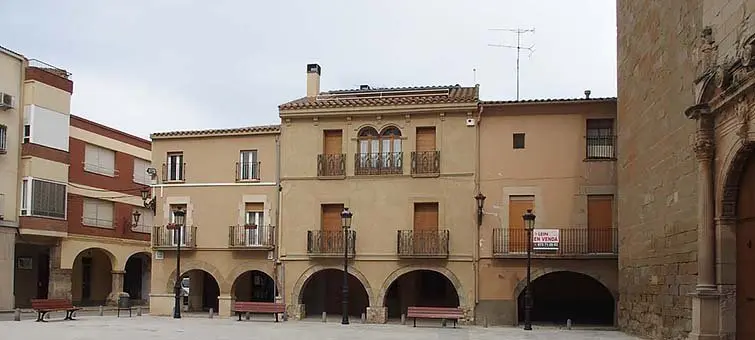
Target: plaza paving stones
{"x":164,"y":328}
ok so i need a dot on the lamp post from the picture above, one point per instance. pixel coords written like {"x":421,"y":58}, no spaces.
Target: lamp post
{"x":178,"y":229}
{"x":148,"y":203}
{"x":346,"y":223}
{"x":529,"y":225}
{"x":480,"y":198}
{"x":136,"y":215}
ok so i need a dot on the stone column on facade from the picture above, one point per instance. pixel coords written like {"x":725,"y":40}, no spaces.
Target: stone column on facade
{"x":377,"y":314}
{"x":116,"y":289}
{"x":224,"y":305}
{"x":60,"y":284}
{"x":705,"y":304}
{"x":726,"y":275}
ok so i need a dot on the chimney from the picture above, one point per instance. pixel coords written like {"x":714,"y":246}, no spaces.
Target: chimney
{"x":313,"y":80}
{"x":587,"y":94}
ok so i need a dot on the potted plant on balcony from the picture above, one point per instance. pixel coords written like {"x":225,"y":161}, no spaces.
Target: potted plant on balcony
{"x":251,"y":226}
{"x":171,"y":226}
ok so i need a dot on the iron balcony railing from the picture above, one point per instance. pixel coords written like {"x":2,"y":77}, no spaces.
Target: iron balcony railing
{"x":422,"y":243}
{"x":166,"y":238}
{"x":247,"y":171}
{"x":600,"y":147}
{"x":331,"y":165}
{"x":174,"y":172}
{"x":330,"y":243}
{"x":571,"y":241}
{"x":251,"y":236}
{"x":426,"y":163}
{"x":386,"y":163}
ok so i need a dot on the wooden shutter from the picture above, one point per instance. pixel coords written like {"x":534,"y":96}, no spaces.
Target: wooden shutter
{"x":254,"y":206}
{"x":331,"y":217}
{"x":518,"y":206}
{"x":600,"y":223}
{"x":425,"y":139}
{"x":332,"y":142}
{"x":425,"y":216}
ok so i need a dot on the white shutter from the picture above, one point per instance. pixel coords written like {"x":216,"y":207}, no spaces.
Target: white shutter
{"x":146,"y":218}
{"x":90,"y":212}
{"x":107,"y":161}
{"x":105,"y":214}
{"x":91,"y":158}
{"x":140,"y":171}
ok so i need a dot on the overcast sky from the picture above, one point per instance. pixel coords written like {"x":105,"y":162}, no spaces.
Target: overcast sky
{"x":156,"y":65}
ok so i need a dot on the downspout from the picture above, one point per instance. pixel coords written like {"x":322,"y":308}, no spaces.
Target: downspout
{"x":276,"y":251}
{"x":477,"y":230}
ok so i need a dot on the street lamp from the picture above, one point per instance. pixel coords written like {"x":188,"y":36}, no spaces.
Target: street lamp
{"x":179,"y":217}
{"x":148,"y":203}
{"x":136,"y":215}
{"x":480,"y":204}
{"x":346,"y":223}
{"x":529,"y":225}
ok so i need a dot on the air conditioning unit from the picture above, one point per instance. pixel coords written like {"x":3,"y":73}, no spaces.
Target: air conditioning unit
{"x":471,"y":122}
{"x":6,"y":101}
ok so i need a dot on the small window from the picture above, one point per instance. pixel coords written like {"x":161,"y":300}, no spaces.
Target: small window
{"x":3,"y":138}
{"x":248,"y":165}
{"x":25,"y":197}
{"x":27,"y":133}
{"x":176,"y":167}
{"x":518,"y":141}
{"x":99,"y":160}
{"x":98,"y":213}
{"x":140,"y":171}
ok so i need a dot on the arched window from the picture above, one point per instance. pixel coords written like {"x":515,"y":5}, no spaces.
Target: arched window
{"x":379,"y":153}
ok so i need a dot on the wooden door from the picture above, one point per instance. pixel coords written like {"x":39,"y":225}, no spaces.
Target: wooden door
{"x":425,"y":236}
{"x":599,"y":224}
{"x":331,"y":237}
{"x":332,"y":142}
{"x":745,"y":249}
{"x":518,"y":206}
{"x":425,"y":139}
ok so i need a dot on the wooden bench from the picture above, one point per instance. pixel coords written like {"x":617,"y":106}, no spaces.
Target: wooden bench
{"x":44,"y":306}
{"x":444,"y":313}
{"x":259,"y":308}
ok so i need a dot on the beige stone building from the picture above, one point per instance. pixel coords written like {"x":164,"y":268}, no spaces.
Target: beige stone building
{"x":226,"y":184}
{"x":686,"y":172}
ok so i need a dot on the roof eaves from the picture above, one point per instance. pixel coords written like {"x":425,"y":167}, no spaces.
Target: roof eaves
{"x":251,"y":130}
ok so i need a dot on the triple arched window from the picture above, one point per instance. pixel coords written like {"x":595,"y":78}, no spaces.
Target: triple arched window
{"x":379,"y":153}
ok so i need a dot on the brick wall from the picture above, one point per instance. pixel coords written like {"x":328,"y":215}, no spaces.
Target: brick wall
{"x":122,"y":182}
{"x":122,"y":220}
{"x":657,"y":202}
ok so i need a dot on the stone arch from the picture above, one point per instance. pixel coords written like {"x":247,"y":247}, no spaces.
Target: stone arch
{"x":243,"y":287}
{"x":403,"y":270}
{"x":296,"y":294}
{"x":198,"y":265}
{"x":113,"y":259}
{"x":245,"y":267}
{"x":536,"y":273}
{"x":731,"y":174}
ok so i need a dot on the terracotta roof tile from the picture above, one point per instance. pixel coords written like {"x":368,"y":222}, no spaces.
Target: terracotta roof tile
{"x":387,"y":96}
{"x":260,"y":129}
{"x":547,"y":100}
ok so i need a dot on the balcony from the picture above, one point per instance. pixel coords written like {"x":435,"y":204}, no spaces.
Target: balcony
{"x":572,"y":243}
{"x":326,"y":243}
{"x":164,"y":238}
{"x":247,"y":171}
{"x":174,"y":173}
{"x":251,"y":237}
{"x":425,"y":163}
{"x":333,"y":165}
{"x":386,"y":163}
{"x":422,"y":243}
{"x":600,"y":147}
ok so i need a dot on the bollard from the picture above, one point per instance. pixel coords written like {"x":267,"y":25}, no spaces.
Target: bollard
{"x":443,"y":323}
{"x":247,"y":316}
{"x":211,"y":313}
{"x":138,"y":310}
{"x":17,"y":314}
{"x":568,"y":323}
{"x":324,"y":317}
{"x":403,"y":319}
{"x":102,"y":311}
{"x":485,"y":321}
{"x":364,"y":318}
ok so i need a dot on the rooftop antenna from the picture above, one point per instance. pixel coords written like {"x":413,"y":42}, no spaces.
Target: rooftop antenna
{"x":474,"y":72}
{"x":518,"y":47}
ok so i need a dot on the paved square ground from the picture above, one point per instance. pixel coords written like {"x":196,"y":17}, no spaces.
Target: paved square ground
{"x":190,"y":328}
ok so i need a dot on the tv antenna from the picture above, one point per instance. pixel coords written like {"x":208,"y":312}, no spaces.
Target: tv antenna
{"x":518,"y":47}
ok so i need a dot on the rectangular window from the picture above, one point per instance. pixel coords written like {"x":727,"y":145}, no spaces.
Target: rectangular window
{"x":140,"y":171}
{"x":43,"y":198}
{"x":518,"y":141}
{"x":98,"y":213}
{"x":3,"y":138}
{"x":255,"y":216}
{"x":181,"y":235}
{"x":99,"y":160}
{"x":175,"y":166}
{"x":248,"y":165}
{"x":27,"y":133}
{"x":600,"y":139}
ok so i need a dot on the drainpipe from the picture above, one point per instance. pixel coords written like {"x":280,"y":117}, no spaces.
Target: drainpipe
{"x":476,"y":260}
{"x":276,"y":251}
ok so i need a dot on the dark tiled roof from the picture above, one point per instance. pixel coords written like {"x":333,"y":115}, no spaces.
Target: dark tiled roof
{"x":387,"y":96}
{"x":547,"y":100}
{"x":261,"y":129}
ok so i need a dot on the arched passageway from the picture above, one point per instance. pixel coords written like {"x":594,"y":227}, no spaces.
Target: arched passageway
{"x":425,"y":288}
{"x":255,"y":286}
{"x":136,"y":279}
{"x":323,"y":292}
{"x":563,"y":295}
{"x":201,"y":291}
{"x":745,"y":249}
{"x":92,"y":277}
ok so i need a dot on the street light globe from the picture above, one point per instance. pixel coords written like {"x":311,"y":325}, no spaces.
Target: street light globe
{"x":346,"y":218}
{"x":529,"y":220}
